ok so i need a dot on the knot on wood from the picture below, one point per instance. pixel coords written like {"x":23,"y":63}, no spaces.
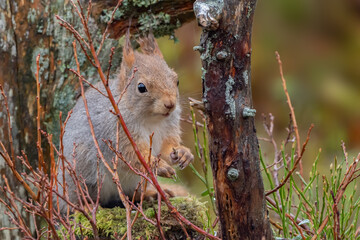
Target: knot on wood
{"x":233,"y":174}
{"x":221,"y":55}
{"x":208,"y":13}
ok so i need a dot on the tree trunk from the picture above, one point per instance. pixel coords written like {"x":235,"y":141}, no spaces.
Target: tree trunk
{"x":29,"y":28}
{"x":225,"y":48}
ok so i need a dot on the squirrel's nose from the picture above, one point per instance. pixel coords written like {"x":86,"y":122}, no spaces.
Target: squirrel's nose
{"x":169,"y":105}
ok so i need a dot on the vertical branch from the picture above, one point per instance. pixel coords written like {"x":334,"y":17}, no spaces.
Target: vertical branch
{"x":40,"y":150}
{"x":293,"y":118}
{"x":52,"y":178}
{"x":158,"y":219}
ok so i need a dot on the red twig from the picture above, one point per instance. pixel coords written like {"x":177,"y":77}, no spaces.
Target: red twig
{"x":321,"y":228}
{"x":52,"y":179}
{"x":108,"y":25}
{"x":158,"y":219}
{"x":84,"y":80}
{"x":127,"y":85}
{"x":297,"y":226}
{"x":298,"y":148}
{"x":40,"y":151}
{"x":11,"y":164}
{"x":88,"y":11}
{"x":110,"y":65}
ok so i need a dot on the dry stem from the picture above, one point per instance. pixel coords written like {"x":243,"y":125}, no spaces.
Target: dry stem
{"x":298,"y":149}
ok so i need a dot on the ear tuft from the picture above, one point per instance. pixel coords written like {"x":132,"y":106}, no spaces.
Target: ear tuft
{"x":128,"y":52}
{"x":149,"y":46}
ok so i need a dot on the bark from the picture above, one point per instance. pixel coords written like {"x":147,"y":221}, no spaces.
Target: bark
{"x":29,"y":28}
{"x":225,"y":48}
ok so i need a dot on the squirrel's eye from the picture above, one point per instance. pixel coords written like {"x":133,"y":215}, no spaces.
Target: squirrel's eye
{"x":142,"y":88}
{"x":177,"y":83}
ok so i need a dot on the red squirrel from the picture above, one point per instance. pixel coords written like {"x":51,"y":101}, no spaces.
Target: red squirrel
{"x":149,"y":105}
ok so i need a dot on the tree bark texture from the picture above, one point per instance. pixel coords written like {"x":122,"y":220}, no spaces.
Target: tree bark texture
{"x":29,"y":28}
{"x":225,"y":48}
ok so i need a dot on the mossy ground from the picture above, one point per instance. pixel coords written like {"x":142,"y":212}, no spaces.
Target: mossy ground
{"x":112,"y":221}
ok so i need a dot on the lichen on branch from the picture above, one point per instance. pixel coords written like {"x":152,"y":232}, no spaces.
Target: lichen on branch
{"x":160,"y":17}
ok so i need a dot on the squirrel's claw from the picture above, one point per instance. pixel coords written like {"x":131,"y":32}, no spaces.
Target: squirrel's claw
{"x":165,"y":170}
{"x":152,"y":194}
{"x":181,"y":156}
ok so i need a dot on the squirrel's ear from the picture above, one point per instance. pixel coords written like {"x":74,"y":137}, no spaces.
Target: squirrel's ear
{"x":128,"y":52}
{"x":149,"y":46}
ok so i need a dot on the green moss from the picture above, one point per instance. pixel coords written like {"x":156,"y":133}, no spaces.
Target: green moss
{"x":113,"y":221}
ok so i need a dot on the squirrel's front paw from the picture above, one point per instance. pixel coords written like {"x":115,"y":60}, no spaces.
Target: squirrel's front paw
{"x":152,"y":194}
{"x":181,"y":156}
{"x":164,"y":169}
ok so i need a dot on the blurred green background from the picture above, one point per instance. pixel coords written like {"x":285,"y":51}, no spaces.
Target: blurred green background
{"x":319,"y":43}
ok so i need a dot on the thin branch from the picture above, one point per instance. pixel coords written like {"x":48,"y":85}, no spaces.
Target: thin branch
{"x":110,"y":65}
{"x":298,"y":148}
{"x":127,"y":85}
{"x":41,"y":163}
{"x":321,"y":228}
{"x":297,"y":226}
{"x":108,"y":25}
{"x":84,"y":80}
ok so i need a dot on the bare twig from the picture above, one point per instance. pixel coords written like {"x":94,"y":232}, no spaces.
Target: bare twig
{"x":38,"y":144}
{"x":108,"y":25}
{"x":158,"y":219}
{"x":11,"y":164}
{"x":110,"y":65}
{"x":297,"y":226}
{"x":127,"y":85}
{"x":321,"y":228}
{"x":298,"y":149}
{"x":84,"y":80}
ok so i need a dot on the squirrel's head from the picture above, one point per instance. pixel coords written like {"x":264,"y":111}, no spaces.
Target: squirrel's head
{"x":153,"y":91}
